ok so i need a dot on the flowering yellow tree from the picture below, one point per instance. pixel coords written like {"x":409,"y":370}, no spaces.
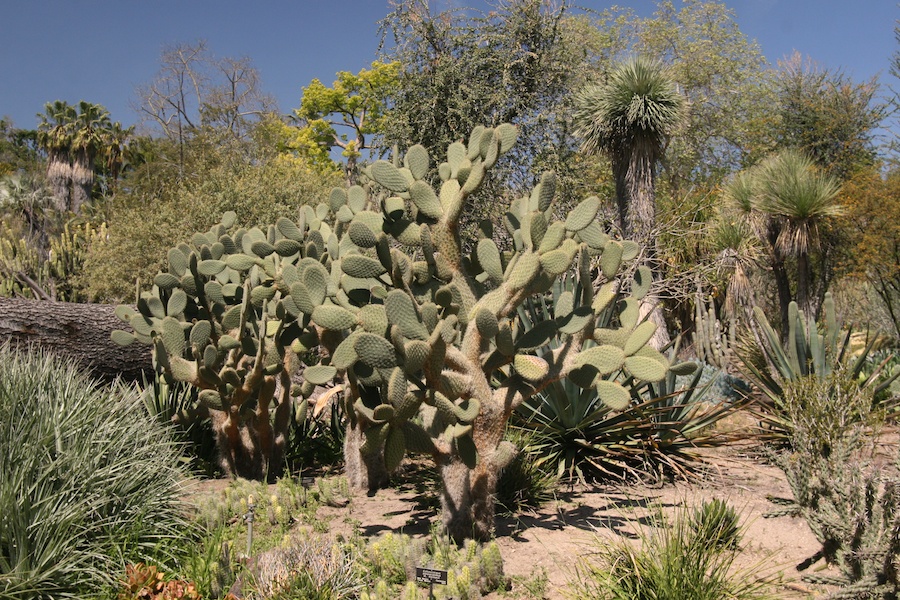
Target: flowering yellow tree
{"x":345,"y":114}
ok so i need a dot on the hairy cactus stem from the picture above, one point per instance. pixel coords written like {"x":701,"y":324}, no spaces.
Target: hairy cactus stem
{"x":263,"y":425}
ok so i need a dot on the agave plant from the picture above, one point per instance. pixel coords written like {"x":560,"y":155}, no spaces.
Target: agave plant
{"x":658,"y":433}
{"x":811,"y":351}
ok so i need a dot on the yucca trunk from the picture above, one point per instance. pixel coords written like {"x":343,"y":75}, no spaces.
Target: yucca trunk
{"x":635,"y":195}
{"x":782,"y":281}
{"x":635,"y":176}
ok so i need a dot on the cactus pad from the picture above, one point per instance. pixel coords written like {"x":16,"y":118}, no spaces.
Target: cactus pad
{"x":605,"y":359}
{"x":319,"y":374}
{"x":361,"y":267}
{"x":613,"y":395}
{"x":645,"y":369}
{"x":583,"y":215}
{"x":333,"y":317}
{"x":531,"y":368}
{"x":375,"y":351}
{"x":639,"y":337}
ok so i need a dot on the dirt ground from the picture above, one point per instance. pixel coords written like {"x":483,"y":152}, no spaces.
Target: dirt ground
{"x":578,"y":521}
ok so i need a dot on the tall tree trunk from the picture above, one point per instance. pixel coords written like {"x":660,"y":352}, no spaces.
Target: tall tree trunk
{"x":803,"y":293}
{"x":83,"y":180}
{"x":782,"y":281}
{"x":640,"y":180}
{"x":635,"y":176}
{"x":59,"y":175}
{"x":77,"y":331}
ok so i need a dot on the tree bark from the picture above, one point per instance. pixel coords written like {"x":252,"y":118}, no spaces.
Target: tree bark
{"x":77,"y":331}
{"x":635,"y":175}
{"x":82,"y":182}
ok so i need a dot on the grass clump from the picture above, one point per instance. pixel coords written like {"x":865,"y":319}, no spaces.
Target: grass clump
{"x":528,"y":481}
{"x":687,"y":557}
{"x":88,"y":483}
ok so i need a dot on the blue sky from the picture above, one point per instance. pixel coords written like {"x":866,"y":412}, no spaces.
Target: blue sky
{"x":101,"y":50}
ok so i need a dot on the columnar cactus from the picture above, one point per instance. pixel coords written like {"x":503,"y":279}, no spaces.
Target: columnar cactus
{"x":420,"y":334}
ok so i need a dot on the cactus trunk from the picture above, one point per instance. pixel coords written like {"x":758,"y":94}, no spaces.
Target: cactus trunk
{"x":249,"y":449}
{"x":468,"y":494}
{"x":365,"y":472}
{"x":467,"y":500}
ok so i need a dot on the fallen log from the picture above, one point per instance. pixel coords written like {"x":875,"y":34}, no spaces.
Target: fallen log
{"x":80,"y":332}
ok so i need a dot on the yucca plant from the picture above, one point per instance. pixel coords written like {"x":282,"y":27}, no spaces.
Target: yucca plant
{"x":88,"y":481}
{"x":528,"y":481}
{"x":657,"y":433}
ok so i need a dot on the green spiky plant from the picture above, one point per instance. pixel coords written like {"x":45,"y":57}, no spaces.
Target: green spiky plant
{"x":423,"y":343}
{"x":89,"y":482}
{"x":811,"y":350}
{"x":689,"y":556}
{"x":657,"y":433}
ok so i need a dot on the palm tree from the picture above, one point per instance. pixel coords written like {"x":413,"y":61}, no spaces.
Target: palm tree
{"x":115,"y":153}
{"x":796,"y":197}
{"x":54,"y":136}
{"x":630,"y":118}
{"x":89,"y":136}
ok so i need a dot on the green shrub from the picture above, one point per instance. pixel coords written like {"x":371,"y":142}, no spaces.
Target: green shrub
{"x":88,"y":481}
{"x":163,"y":204}
{"x":687,"y":557}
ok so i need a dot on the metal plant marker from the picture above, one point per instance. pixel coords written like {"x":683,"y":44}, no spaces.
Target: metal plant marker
{"x":249,"y":517}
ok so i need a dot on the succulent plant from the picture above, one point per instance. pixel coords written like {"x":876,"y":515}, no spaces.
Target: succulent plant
{"x":221,"y":319}
{"x":420,"y":334}
{"x":811,"y":350}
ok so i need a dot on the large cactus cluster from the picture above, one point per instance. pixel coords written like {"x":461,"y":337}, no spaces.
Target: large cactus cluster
{"x":418,"y":329}
{"x":215,"y":319}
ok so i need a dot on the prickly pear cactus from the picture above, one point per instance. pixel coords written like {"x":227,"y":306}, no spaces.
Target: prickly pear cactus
{"x":444,"y":367}
{"x":221,"y":318}
{"x":420,"y":334}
